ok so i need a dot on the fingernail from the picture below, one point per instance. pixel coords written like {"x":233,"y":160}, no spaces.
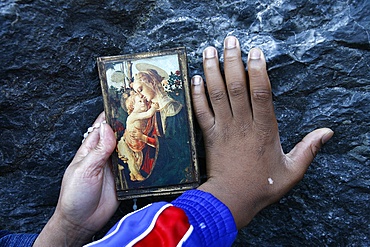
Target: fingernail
{"x":327,"y":136}
{"x":209,"y":52}
{"x":255,"y":54}
{"x":196,"y":80}
{"x":230,"y":42}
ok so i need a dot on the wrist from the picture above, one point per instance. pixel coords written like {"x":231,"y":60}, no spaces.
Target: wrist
{"x":60,"y":232}
{"x":243,"y":208}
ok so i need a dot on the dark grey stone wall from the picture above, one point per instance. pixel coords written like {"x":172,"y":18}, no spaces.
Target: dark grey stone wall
{"x":318,"y":58}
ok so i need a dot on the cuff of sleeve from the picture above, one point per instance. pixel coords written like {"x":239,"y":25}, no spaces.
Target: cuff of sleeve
{"x":15,"y":240}
{"x":211,"y":219}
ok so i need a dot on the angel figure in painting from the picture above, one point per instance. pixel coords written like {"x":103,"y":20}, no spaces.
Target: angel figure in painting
{"x":129,"y":148}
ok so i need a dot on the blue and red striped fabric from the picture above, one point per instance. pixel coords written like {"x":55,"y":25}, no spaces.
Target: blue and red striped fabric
{"x":159,"y":224}
{"x":195,"y":218}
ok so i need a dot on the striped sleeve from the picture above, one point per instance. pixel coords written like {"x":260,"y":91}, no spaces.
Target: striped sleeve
{"x":195,"y":218}
{"x":212,"y":220}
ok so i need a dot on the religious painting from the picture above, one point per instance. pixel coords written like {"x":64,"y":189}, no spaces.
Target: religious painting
{"x":147,"y":104}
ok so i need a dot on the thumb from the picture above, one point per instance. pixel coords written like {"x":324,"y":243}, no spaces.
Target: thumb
{"x":96,"y":159}
{"x":305,"y":151}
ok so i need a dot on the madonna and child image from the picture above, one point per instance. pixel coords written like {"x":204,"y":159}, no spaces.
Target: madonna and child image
{"x":147,"y":103}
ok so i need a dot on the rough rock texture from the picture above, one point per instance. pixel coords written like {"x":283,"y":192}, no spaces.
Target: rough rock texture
{"x":318,"y":58}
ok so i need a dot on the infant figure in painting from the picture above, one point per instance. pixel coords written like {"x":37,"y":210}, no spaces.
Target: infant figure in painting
{"x":129,"y":148}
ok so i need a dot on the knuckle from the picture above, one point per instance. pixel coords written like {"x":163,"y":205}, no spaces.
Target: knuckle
{"x":256,"y":67}
{"x":210,"y":65}
{"x":237,"y":88}
{"x":201,"y":115}
{"x":231,"y":59}
{"x":217,"y":95}
{"x":99,"y":148}
{"x":257,"y":74}
{"x":214,"y":136}
{"x":314,"y":148}
{"x":261,"y":95}
{"x":197,"y":97}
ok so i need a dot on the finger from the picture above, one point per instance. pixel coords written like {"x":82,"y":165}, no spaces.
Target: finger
{"x":202,"y":110}
{"x":260,"y":89}
{"x":215,"y":84}
{"x":110,"y":193}
{"x":305,"y":151}
{"x":94,"y":136}
{"x":235,"y":76}
{"x":97,"y":158}
{"x":91,"y":140}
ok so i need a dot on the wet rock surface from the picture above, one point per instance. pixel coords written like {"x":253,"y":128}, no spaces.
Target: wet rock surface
{"x":318,"y":55}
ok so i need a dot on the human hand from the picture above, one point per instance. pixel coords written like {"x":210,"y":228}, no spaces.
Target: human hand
{"x":87,"y":198}
{"x":246,"y":166}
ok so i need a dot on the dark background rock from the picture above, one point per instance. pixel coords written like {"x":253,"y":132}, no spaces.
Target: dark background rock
{"x":318,"y":58}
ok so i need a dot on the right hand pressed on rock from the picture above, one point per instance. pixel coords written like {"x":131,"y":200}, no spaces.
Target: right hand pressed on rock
{"x":246,"y":166}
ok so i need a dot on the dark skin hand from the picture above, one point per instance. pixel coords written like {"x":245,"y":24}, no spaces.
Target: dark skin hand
{"x":246,"y":166}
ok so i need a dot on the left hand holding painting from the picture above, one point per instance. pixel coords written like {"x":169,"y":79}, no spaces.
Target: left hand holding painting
{"x":87,"y":198}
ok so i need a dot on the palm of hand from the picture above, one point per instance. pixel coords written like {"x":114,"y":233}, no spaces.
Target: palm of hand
{"x":87,"y":198}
